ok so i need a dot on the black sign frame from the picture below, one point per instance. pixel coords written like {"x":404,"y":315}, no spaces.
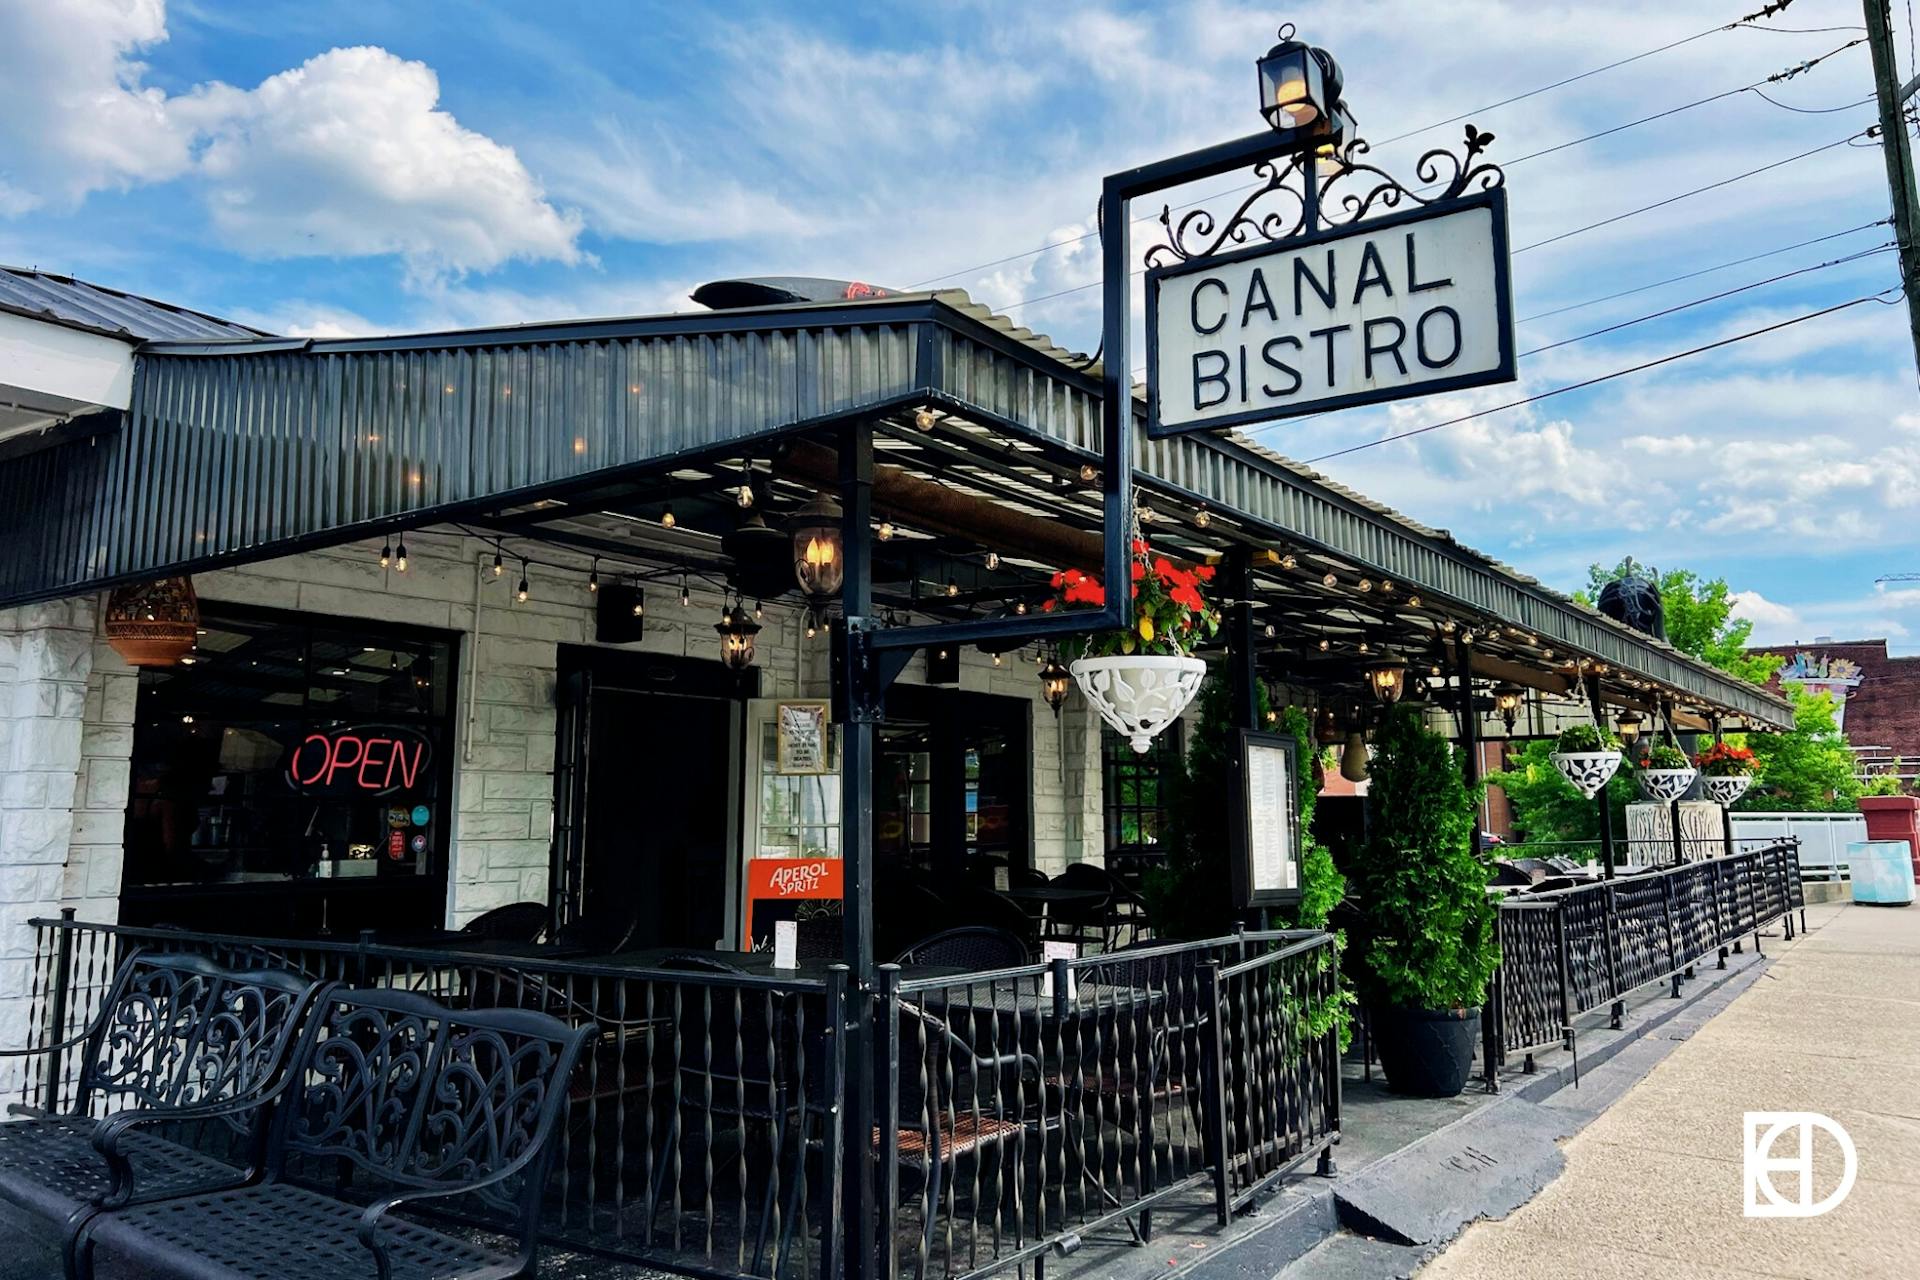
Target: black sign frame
{"x":1245,"y":895}
{"x":1494,"y":199}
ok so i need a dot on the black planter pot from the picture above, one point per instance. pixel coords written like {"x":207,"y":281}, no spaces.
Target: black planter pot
{"x":1425,"y":1052}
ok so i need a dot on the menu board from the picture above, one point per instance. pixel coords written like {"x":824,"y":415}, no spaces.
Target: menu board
{"x":1271,"y":873}
{"x":801,"y":734}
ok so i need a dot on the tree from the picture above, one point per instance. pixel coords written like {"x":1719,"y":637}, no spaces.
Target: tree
{"x":1700,"y":619}
{"x":1810,"y":768}
{"x":1546,"y":807}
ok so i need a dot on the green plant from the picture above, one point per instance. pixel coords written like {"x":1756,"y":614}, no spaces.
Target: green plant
{"x":1661,"y":755}
{"x":1429,"y":938}
{"x":1585,"y":738}
{"x":1883,"y":784}
{"x":1170,"y":610}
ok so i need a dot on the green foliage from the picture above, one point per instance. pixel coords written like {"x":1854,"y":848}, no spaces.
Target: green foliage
{"x":1548,"y":807}
{"x":1700,"y":621}
{"x":1883,"y":784}
{"x":1662,"y":755}
{"x":1809,"y":769}
{"x":1429,"y":938}
{"x":1584,"y":738}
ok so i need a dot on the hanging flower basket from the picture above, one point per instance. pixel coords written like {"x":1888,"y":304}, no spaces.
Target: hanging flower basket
{"x":1588,"y":771}
{"x":1586,"y":756}
{"x":1140,"y":694}
{"x":1665,"y":785}
{"x":153,"y":624}
{"x":1727,"y":787}
{"x":1141,"y":679}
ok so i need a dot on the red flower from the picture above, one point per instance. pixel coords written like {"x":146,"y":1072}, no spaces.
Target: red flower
{"x":1204,"y":573}
{"x":1058,"y":579}
{"x":1074,"y":577}
{"x":1046,"y":606}
{"x":1139,"y":546}
{"x":1139,"y":571}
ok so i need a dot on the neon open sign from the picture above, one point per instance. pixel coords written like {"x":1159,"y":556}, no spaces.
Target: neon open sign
{"x":373,"y":761}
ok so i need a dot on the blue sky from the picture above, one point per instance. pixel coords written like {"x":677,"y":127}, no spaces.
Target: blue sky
{"x":371,"y":167}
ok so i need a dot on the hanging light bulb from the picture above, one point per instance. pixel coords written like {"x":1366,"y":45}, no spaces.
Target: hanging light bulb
{"x":1325,"y":644}
{"x":1089,"y":474}
{"x":1413,"y":602}
{"x":1020,"y":607}
{"x":666,"y":517}
{"x":1353,"y":759}
{"x":593,"y":576}
{"x":996,"y":660}
{"x":1289,"y":562}
{"x":639,"y":602}
{"x":1329,"y":579}
{"x":993,"y":560}
{"x":744,"y":495}
{"x":400,"y":554}
{"x":759,"y":610}
{"x":813,"y":624}
{"x":885,"y":531}
{"x":1365,"y":585}
{"x":1272,"y":631}
{"x":386,"y":553}
{"x":953,"y":588}
{"x":1055,"y":680}
{"x":686,"y":596}
{"x":520,"y":592}
{"x":1202,"y":518}
{"x":923,"y":419}
{"x":499,"y":563}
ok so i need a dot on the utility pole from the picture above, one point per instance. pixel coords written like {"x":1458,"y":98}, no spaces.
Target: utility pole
{"x":1899,"y":153}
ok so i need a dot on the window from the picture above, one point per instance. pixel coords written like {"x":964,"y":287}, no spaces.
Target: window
{"x":1135,"y":791}
{"x":292,"y":748}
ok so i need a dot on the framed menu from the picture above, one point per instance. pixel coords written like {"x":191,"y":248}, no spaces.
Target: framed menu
{"x":1267,"y":861}
{"x":800,"y":734}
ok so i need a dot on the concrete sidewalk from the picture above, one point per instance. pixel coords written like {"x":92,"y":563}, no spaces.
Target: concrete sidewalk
{"x":1653,"y":1186}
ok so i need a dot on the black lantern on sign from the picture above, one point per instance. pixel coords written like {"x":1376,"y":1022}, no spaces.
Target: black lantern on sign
{"x":737,"y":630}
{"x":819,"y":549}
{"x":1506,"y":702}
{"x":1055,"y":681}
{"x":1298,"y":84}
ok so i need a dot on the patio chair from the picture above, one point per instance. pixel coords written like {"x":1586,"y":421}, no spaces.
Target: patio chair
{"x":983,"y":908}
{"x":177,"y":1037}
{"x":1081,"y":922}
{"x":949,"y":1104}
{"x":515,"y":922}
{"x":968,"y":947}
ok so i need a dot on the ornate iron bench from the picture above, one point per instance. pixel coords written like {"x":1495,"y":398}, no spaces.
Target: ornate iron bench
{"x":176,"y":1035}
{"x":391,"y":1102}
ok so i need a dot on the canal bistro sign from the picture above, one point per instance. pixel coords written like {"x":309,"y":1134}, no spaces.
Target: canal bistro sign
{"x":1403,"y":305}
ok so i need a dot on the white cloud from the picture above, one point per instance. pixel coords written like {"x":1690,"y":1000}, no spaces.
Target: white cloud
{"x":348,"y":154}
{"x":77,"y":117}
{"x":1764,"y":614}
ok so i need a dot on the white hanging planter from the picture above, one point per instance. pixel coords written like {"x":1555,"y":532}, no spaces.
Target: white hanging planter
{"x":1665,"y":785}
{"x":1139,"y":695}
{"x":1725,"y":788}
{"x":1586,"y":770}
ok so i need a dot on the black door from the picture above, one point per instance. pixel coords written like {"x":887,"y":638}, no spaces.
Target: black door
{"x":644,"y":859}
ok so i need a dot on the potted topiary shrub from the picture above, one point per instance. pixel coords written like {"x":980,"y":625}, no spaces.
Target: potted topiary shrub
{"x":1141,"y":679}
{"x":1586,"y":755}
{"x":1426,"y":928}
{"x":1663,"y":772}
{"x":1726,"y":772}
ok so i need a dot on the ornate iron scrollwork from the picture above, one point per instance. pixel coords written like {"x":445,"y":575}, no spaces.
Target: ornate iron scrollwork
{"x":1291,"y":200}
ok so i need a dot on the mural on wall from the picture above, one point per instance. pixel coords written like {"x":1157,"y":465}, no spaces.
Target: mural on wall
{"x":1837,"y":677}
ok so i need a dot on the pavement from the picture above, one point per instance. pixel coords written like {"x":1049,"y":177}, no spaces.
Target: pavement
{"x":1652,"y":1184}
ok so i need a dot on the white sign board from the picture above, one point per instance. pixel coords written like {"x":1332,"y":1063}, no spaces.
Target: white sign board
{"x":1394,"y":307}
{"x":1272,"y":836}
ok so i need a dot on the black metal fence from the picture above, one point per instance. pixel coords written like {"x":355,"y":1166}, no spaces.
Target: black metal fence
{"x":1569,"y":952}
{"x":1017,"y":1110}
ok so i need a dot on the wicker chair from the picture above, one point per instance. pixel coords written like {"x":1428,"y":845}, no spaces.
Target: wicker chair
{"x":968,"y":947}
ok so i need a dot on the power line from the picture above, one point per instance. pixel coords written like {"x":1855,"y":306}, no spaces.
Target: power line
{"x":1607,"y":377}
{"x":1736,"y":262}
{"x":1674,"y":199}
{"x":1738,"y":24}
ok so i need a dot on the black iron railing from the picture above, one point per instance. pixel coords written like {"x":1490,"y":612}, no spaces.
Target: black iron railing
{"x":704,"y":1133}
{"x":1570,"y":952}
{"x":1026,"y":1108}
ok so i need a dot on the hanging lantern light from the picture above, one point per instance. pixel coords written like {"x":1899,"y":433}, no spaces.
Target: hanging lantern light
{"x":1298,"y":83}
{"x":1507,"y":700}
{"x":737,"y":630}
{"x":1327,"y":728}
{"x":1055,"y":681}
{"x":1353,"y":760}
{"x":1387,"y":680}
{"x":1629,"y":727}
{"x":819,"y":549}
{"x":153,"y":624}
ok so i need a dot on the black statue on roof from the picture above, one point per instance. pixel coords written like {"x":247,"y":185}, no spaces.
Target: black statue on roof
{"x":1634,"y":598}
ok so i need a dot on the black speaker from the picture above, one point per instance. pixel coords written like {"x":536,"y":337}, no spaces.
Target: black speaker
{"x":620,"y":614}
{"x":943,"y":664}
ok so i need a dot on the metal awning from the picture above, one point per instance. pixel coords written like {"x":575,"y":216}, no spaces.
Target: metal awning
{"x":245,"y":450}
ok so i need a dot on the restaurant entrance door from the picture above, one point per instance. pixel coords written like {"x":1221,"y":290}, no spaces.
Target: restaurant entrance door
{"x":646,"y":790}
{"x":952,"y":784}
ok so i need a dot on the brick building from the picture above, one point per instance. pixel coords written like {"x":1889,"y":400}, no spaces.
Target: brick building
{"x":1875,"y":695}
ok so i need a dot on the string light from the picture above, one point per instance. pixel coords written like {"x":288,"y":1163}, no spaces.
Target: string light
{"x":1145,"y":515}
{"x":759,"y":609}
{"x":1413,"y":602}
{"x":953,"y":588}
{"x":745,"y":496}
{"x":499,"y":564}
{"x":686,"y":596}
{"x":1089,"y":474}
{"x":1365,"y":585}
{"x":813,"y":624}
{"x":639,"y":601}
{"x":400,"y":554}
{"x":386,"y":553}
{"x":996,"y":660}
{"x":1272,"y":631}
{"x":1325,"y":645}
{"x":1289,"y":562}
{"x":1386,"y":584}
{"x":993,"y":560}
{"x":1202,"y":518}
{"x":923,"y":419}
{"x":666,"y":517}
{"x":520,"y":593}
{"x":593,"y":577}
{"x":885,"y":531}
{"x":1020,"y":607}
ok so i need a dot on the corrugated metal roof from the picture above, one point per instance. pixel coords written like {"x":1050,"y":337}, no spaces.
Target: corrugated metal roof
{"x":75,"y":304}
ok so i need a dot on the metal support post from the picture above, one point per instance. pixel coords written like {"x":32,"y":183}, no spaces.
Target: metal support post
{"x":1898,"y":152}
{"x":1606,"y":808}
{"x":57,"y":1007}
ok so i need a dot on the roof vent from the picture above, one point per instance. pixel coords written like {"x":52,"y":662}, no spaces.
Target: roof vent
{"x":1823,"y":639}
{"x":774,"y":291}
